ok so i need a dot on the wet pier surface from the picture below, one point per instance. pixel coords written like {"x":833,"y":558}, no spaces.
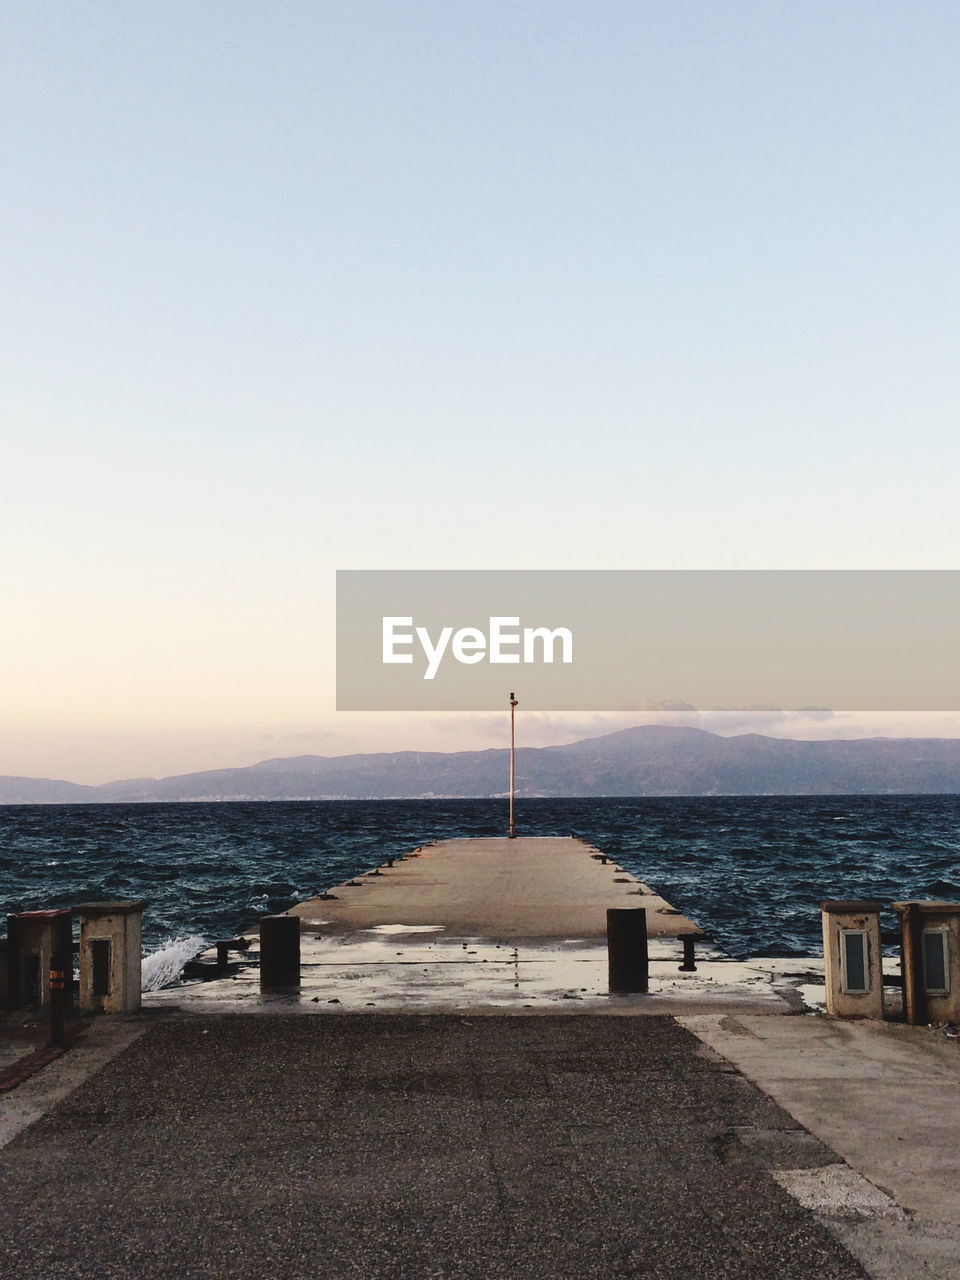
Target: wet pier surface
{"x":528,"y":888}
{"x":406,"y":1147}
{"x":488,"y":925}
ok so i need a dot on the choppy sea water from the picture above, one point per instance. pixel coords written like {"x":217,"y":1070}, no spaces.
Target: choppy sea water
{"x":751,"y":871}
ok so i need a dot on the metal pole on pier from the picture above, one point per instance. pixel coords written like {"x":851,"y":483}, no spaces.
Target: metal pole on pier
{"x":513,"y":703}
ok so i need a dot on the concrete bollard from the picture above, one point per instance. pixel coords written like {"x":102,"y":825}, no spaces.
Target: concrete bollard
{"x":279,"y":952}
{"x":689,"y":964}
{"x":628,"y":963}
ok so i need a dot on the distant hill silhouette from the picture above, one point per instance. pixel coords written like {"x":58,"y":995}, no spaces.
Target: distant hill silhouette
{"x":652,"y":760}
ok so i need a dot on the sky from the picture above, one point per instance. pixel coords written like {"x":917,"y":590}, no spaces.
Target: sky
{"x":293,"y":288}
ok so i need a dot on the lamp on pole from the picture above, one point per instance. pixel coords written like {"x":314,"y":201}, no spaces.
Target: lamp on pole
{"x":513,"y":703}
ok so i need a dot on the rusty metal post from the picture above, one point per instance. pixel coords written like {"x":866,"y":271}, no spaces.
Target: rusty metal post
{"x":4,"y":974}
{"x":58,"y":978}
{"x":911,"y":965}
{"x":628,"y":963}
{"x":279,"y":952}
{"x":13,"y":968}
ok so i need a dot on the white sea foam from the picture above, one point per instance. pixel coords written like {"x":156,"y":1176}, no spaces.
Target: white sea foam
{"x":162,"y":967}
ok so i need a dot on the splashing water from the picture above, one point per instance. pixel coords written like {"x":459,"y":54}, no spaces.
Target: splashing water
{"x":162,"y":967}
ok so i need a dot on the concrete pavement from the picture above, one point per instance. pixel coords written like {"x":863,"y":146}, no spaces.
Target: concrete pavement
{"x":884,"y":1097}
{"x":405,"y":1147}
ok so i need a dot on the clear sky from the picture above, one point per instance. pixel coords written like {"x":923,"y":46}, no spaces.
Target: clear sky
{"x":297,"y":287}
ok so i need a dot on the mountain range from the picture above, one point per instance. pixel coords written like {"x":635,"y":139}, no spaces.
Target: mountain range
{"x":649,"y":760}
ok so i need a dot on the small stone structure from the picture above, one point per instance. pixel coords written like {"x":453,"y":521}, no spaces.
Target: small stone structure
{"x":930,"y":960}
{"x":110,"y":954}
{"x":853,"y":958}
{"x":33,"y":939}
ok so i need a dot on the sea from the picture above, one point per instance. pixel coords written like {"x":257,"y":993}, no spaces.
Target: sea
{"x":750,"y":870}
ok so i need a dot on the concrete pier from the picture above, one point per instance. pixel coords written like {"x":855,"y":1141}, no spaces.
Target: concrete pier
{"x":529,"y":888}
{"x":490,"y":926}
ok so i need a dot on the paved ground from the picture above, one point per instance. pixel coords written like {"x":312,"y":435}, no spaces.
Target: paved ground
{"x":413,"y":1147}
{"x":884,"y":1097}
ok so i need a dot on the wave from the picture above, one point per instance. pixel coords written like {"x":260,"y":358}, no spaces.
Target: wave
{"x":162,"y":968}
